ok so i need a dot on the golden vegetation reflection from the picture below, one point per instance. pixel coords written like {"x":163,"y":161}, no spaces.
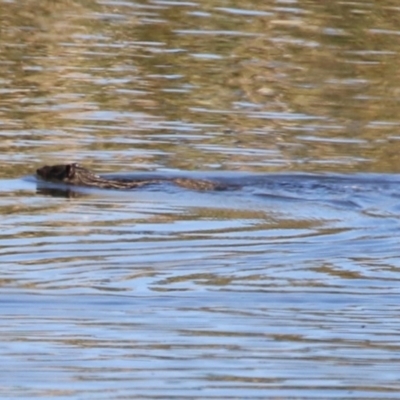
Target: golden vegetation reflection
{"x":250,"y":86}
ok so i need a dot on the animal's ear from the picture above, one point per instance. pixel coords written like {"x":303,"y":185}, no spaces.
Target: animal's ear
{"x":70,"y":170}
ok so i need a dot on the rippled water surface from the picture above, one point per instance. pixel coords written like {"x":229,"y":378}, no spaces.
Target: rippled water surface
{"x":285,"y":285}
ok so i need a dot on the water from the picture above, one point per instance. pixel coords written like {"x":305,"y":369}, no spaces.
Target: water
{"x":285,"y":285}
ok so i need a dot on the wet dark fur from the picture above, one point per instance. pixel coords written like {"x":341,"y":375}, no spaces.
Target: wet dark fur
{"x":74,"y":174}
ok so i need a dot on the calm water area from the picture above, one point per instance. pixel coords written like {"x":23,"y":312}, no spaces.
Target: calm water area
{"x":286,"y":285}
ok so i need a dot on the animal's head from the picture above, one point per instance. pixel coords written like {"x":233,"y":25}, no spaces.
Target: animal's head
{"x":58,"y":173}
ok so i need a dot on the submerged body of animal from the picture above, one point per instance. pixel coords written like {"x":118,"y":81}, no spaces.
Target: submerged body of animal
{"x":74,"y":174}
